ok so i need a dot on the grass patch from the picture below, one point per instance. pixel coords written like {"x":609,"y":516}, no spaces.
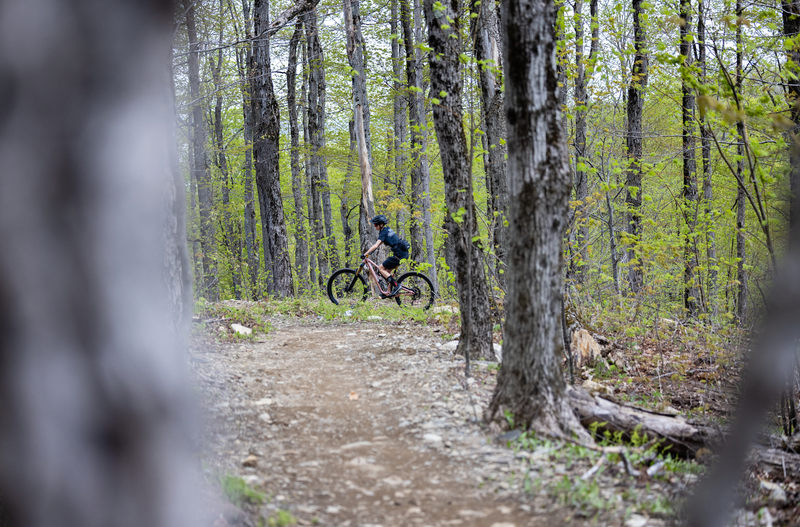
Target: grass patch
{"x":239,"y":492}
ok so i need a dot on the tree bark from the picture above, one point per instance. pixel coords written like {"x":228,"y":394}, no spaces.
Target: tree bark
{"x":487,"y":51}
{"x":231,"y":242}
{"x":790,"y":10}
{"x":301,"y":246}
{"x":316,"y":133}
{"x":416,"y":116}
{"x":244,"y":59}
{"x":445,"y":71}
{"x":94,"y":296}
{"x":277,"y":264}
{"x":345,"y":203}
{"x":675,"y":435}
{"x":200,"y":168}
{"x":400,"y":117}
{"x":355,"y":56}
{"x":633,"y":183}
{"x":429,"y":255}
{"x":367,"y":206}
{"x":691,"y":292}
{"x":581,"y":108}
{"x":741,"y":199}
{"x":312,"y":198}
{"x":530,"y":384}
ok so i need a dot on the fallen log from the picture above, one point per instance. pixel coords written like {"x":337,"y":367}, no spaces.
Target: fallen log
{"x":777,"y":463}
{"x":676,"y":435}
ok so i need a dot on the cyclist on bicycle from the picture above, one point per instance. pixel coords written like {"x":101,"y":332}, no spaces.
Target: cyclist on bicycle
{"x":400,"y":248}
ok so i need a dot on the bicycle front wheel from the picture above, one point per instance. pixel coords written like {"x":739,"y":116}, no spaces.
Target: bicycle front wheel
{"x":347,"y":288}
{"x":416,"y":291}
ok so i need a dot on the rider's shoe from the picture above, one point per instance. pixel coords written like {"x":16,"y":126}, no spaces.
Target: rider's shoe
{"x":395,"y":289}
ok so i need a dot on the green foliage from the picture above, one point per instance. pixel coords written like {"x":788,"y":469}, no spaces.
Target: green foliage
{"x":239,"y":493}
{"x":282,"y":518}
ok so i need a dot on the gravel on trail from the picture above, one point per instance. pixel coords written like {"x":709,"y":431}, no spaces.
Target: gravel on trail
{"x":372,"y":424}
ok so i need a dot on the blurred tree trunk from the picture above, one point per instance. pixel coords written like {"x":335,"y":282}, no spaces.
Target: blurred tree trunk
{"x":446,"y":83}
{"x":95,"y":298}
{"x":301,"y":247}
{"x":266,"y":146}
{"x":531,"y":384}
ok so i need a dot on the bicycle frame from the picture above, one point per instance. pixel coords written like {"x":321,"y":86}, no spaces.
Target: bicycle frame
{"x":372,"y":271}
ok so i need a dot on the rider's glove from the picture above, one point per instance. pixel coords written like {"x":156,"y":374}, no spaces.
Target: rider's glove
{"x":363,"y":256}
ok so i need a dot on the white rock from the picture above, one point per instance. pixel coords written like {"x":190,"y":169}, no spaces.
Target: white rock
{"x":450,"y":346}
{"x":357,"y":444}
{"x":265,"y":417}
{"x":373,"y":317}
{"x":333,"y":509}
{"x":263,"y":402}
{"x":636,"y":520}
{"x":432,"y":438}
{"x":776,"y":492}
{"x":242,"y":330}
{"x":348,"y":313}
{"x":498,"y":351}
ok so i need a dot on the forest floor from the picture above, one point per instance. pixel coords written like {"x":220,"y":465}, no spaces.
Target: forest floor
{"x":335,"y":421}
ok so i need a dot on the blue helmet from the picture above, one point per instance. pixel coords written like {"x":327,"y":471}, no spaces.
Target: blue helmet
{"x":380,"y":219}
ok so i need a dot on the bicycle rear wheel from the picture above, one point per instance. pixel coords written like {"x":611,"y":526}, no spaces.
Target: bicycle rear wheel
{"x":346,"y":288}
{"x":416,"y":291}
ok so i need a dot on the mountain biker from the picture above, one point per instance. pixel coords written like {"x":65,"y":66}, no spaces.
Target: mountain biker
{"x":400,"y":248}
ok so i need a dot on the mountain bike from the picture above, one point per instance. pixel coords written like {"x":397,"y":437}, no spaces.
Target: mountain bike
{"x":348,"y":287}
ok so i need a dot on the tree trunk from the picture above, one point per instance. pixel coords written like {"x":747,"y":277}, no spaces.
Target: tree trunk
{"x":230,"y":242}
{"x":355,"y":56}
{"x":708,"y":189}
{"x":367,"y":206}
{"x":94,"y":296}
{"x":200,"y":168}
{"x":243,"y":59}
{"x":487,"y":51}
{"x":316,"y":131}
{"x":633,"y":183}
{"x":345,"y":207}
{"x":400,"y":116}
{"x":277,"y":264}
{"x":312,"y":199}
{"x":530,"y":384}
{"x":445,"y":71}
{"x":301,"y":247}
{"x":419,"y":160}
{"x":429,"y":254}
{"x":581,"y":104}
{"x":790,"y":10}
{"x":741,"y":199}
{"x":691,"y":292}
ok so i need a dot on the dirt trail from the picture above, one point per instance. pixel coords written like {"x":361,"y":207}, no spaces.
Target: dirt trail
{"x":362,"y":424}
